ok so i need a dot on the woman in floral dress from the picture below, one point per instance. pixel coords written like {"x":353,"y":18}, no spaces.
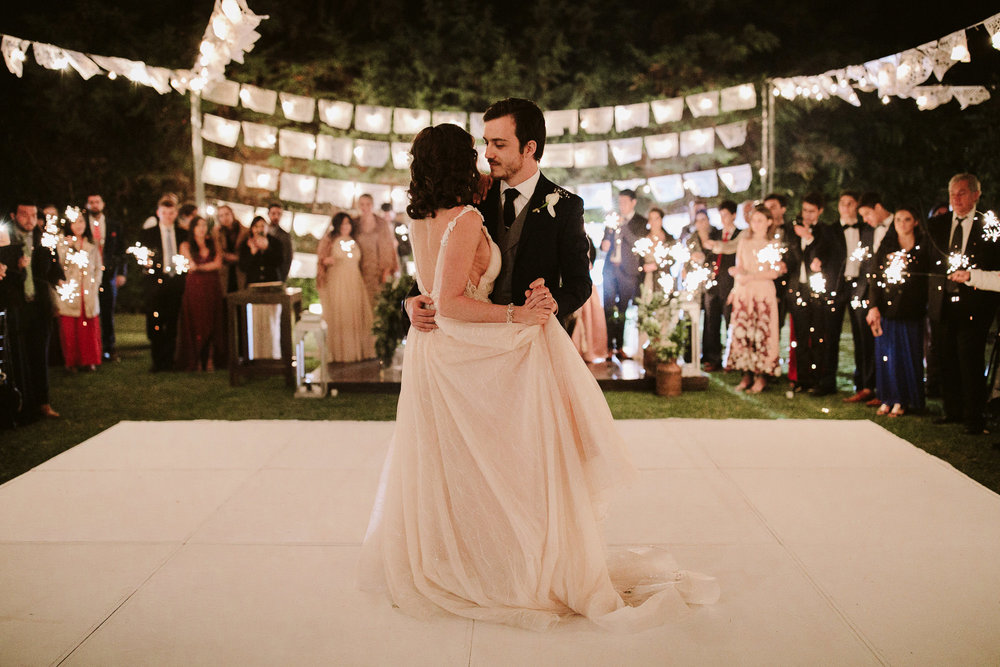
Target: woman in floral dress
{"x":753,"y":331}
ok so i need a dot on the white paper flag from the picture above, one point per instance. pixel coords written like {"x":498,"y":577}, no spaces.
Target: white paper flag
{"x":675,"y":223}
{"x":83,"y":65}
{"x":634,"y":184}
{"x":660,"y":146}
{"x":258,"y":99}
{"x":220,"y":172}
{"x":312,"y":224}
{"x":476,"y":126}
{"x":338,"y":193}
{"x":373,"y":119}
{"x":596,"y":195}
{"x":667,"y":188}
{"x":696,"y":142}
{"x":298,"y":188}
{"x":739,"y":98}
{"x":704,"y":104}
{"x":336,"y":114}
{"x":258,"y":135}
{"x":626,"y":151}
{"x":931,"y":97}
{"x":732,"y":134}
{"x":558,"y":156}
{"x":338,"y":150}
{"x":590,"y":154}
{"x":630,"y":116}
{"x":298,"y":107}
{"x":401,"y":155}
{"x":223,"y":92}
{"x":969,"y":95}
{"x":561,"y":122}
{"x":285,"y":222}
{"x":264,"y":178}
{"x":15,"y":52}
{"x":220,"y":130}
{"x":50,"y":57}
{"x":296,"y":144}
{"x":400,"y":198}
{"x":736,"y":178}
{"x":597,"y":121}
{"x":702,"y":183}
{"x":410,"y":121}
{"x":667,"y":111}
{"x":371,"y":153}
{"x":459,"y":118}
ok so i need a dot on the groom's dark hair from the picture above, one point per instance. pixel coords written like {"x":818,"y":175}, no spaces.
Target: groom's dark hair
{"x":529,"y":122}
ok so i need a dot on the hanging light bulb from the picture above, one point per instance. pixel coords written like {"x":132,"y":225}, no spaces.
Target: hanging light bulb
{"x":885,"y":99}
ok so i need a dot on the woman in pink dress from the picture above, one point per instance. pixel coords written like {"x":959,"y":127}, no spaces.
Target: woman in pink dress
{"x":342,"y":294}
{"x":201,"y":340}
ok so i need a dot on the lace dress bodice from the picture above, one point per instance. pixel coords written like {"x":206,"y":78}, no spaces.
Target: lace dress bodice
{"x":479,"y":292}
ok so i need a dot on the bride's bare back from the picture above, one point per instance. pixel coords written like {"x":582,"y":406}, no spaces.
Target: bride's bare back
{"x":426,"y":237}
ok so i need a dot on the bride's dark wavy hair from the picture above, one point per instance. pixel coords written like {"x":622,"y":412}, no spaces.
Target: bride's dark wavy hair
{"x":443,"y":172}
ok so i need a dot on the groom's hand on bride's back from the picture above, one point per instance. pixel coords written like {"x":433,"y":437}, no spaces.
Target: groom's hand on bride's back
{"x":420,"y":310}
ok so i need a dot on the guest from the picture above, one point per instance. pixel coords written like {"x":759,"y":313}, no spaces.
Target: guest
{"x":806,"y":301}
{"x":721,"y":256}
{"x":404,"y":249}
{"x":753,"y":332}
{"x":164,"y":283}
{"x":79,"y":309}
{"x":932,"y":337}
{"x":851,"y":243}
{"x":587,"y":329}
{"x":377,"y":242}
{"x":621,"y":270}
{"x":32,"y":270}
{"x":185,"y":216}
{"x":229,"y":234}
{"x":261,"y":259}
{"x":896,"y":317}
{"x":777,"y":203}
{"x":107,"y":236}
{"x":281,"y":239}
{"x":964,"y":314}
{"x":651,"y":270}
{"x":346,"y":311}
{"x":202,"y":339}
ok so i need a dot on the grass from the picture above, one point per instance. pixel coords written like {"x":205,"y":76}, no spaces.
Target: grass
{"x":92,"y":402}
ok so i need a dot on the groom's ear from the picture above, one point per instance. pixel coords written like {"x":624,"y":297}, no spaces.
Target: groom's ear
{"x":529,"y":148}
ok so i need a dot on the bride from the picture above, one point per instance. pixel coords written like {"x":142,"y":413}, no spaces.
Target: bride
{"x":504,"y":447}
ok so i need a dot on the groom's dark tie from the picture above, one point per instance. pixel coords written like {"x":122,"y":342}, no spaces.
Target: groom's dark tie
{"x":508,"y":207}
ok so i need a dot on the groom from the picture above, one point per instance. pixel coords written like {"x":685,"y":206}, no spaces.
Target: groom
{"x":537,"y":224}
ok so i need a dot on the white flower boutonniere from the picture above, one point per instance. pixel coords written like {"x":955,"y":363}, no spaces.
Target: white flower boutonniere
{"x":551,"y":200}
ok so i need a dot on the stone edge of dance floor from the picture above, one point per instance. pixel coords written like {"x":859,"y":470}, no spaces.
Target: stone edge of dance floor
{"x":180,"y":543}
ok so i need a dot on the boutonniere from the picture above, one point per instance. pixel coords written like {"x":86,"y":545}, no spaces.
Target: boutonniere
{"x":551,"y":200}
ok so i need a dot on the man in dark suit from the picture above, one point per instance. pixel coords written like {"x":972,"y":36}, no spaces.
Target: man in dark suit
{"x":806,"y":301}
{"x":164,"y":282}
{"x":275,"y":232}
{"x":720,"y":258}
{"x":964,"y":314}
{"x":537,"y":224}
{"x":107,"y":235}
{"x":849,"y":255}
{"x":621,"y":269}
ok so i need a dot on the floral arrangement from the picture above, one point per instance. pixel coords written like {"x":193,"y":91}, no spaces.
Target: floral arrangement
{"x":388,"y":324}
{"x":660,"y":319}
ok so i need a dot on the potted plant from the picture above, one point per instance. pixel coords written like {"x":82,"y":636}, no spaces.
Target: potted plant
{"x":660,"y":319}
{"x":388,"y":324}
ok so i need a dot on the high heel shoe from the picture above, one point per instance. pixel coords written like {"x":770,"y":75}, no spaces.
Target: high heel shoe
{"x":883,"y":410}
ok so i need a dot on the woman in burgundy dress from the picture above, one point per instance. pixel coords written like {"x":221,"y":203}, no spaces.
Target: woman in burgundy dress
{"x":201,"y":343}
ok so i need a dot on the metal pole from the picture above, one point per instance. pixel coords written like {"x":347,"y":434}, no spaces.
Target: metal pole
{"x":197,"y":151}
{"x":772,"y":103}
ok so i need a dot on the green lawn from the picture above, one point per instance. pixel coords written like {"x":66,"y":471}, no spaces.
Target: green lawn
{"x":92,"y":402}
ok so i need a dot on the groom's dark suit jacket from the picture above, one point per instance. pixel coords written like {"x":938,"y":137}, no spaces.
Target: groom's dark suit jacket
{"x":551,"y":247}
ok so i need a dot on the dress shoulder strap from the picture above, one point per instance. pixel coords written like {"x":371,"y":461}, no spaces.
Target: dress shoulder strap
{"x":454,"y":221}
{"x":439,"y":268}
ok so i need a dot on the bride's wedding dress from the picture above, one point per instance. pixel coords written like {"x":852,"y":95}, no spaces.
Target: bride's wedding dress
{"x":496,"y":479}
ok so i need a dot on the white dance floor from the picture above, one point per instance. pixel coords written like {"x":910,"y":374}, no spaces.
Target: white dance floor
{"x":234,"y":543}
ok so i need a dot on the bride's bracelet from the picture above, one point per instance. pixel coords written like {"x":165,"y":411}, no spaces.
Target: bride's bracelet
{"x":510,"y":313}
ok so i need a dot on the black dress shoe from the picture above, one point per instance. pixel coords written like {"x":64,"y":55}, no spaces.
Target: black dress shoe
{"x":946,"y":420}
{"x":822,"y":391}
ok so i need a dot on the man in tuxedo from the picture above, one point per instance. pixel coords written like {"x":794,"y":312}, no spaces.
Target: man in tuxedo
{"x":850,"y":246}
{"x":963,"y":314}
{"x":279,"y":235}
{"x":537,"y":224}
{"x":621,"y":269}
{"x":721,"y":258}
{"x":164,"y":283}
{"x":107,"y":236}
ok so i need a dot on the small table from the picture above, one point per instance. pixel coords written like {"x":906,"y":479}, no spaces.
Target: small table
{"x":240,"y":364}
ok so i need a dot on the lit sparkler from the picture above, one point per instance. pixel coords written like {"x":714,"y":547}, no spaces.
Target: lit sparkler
{"x":181,"y":264}
{"x":991,"y":226}
{"x":957,"y":262}
{"x":67,"y":291}
{"x":895,"y":271}
{"x":643,"y":246}
{"x":49,"y":241}
{"x":666,"y":282}
{"x":348,"y":247}
{"x":402,"y":231}
{"x":817,"y":283}
{"x":72,"y":213}
{"x":679,"y":253}
{"x":612,"y":220}
{"x":770,"y":255}
{"x":142,"y":254}
{"x":860,"y":253}
{"x":696,"y":277}
{"x":78,"y":257}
